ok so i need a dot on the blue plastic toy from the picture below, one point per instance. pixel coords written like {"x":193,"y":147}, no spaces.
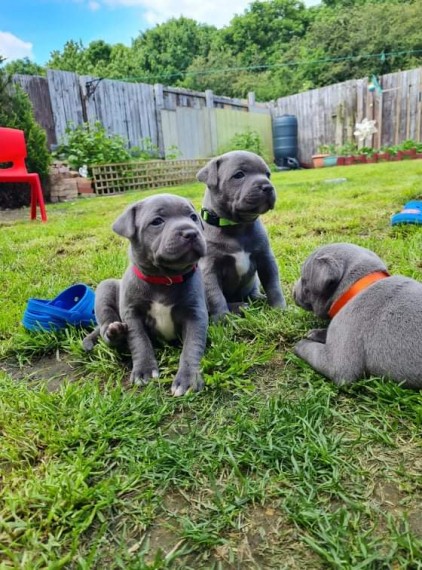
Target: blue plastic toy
{"x":411,"y":214}
{"x":73,"y":306}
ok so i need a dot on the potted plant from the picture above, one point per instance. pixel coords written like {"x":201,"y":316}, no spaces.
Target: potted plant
{"x":407,"y":149}
{"x":347,"y":151}
{"x":385,"y":153}
{"x":369,"y":153}
{"x":331,"y":158}
{"x":326,"y":156}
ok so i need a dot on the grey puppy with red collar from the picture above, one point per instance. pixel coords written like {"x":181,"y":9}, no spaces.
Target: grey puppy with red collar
{"x":238,"y":250}
{"x":376,"y":319}
{"x":161,"y":295}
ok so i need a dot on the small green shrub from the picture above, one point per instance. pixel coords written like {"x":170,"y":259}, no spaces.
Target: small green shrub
{"x":329,"y":149}
{"x":367,"y":151}
{"x":146,"y":151}
{"x":91,"y":144}
{"x":248,"y":140}
{"x":348,"y":149}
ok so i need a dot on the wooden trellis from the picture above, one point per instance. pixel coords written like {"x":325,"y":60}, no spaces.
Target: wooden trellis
{"x":143,"y":175}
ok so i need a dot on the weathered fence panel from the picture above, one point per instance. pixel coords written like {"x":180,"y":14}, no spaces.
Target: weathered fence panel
{"x":190,"y":131}
{"x":126,"y":109}
{"x":65,"y":97}
{"x":37,"y":89}
{"x":329,"y":115}
{"x":230,"y":123}
{"x":206,"y":132}
{"x":143,"y":175}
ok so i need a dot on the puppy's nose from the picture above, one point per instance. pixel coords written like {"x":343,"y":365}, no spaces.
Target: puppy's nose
{"x":267,"y":188}
{"x":189,"y":234}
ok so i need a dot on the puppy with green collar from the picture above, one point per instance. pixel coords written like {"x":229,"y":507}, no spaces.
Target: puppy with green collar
{"x":239,"y":257}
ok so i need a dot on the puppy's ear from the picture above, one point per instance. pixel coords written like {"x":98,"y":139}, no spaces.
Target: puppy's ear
{"x":125,"y":225}
{"x":327,"y":273}
{"x":209,"y":173}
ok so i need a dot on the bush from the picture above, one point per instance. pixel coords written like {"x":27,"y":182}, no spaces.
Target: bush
{"x":16,"y":112}
{"x":90,"y":144}
{"x":248,"y":140}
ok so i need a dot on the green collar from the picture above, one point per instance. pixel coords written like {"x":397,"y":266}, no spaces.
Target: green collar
{"x":213,"y":220}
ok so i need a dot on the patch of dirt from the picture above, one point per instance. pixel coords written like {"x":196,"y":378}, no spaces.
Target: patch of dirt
{"x":392,"y":500}
{"x":267,"y":541}
{"x":52,"y":370}
{"x":415,"y":522}
{"x":8,"y":217}
{"x":162,"y":539}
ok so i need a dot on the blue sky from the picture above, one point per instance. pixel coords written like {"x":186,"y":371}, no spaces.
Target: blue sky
{"x":34,"y":28}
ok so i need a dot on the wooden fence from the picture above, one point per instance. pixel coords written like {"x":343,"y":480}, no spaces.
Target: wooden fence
{"x":189,"y":120}
{"x":132,"y":110}
{"x":329,"y":115}
{"x":143,"y":175}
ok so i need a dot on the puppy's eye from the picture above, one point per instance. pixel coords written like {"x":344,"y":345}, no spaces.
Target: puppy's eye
{"x":157,"y":221}
{"x":239,"y":175}
{"x":268,"y":174}
{"x":194,"y":217}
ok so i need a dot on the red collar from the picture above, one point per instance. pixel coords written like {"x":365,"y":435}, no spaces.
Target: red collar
{"x":164,"y":279}
{"x":358,"y":286}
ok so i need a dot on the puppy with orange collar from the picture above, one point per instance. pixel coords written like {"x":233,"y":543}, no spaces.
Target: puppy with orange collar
{"x":376,"y":319}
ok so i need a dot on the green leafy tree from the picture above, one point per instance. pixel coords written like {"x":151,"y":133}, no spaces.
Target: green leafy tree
{"x":344,"y":38}
{"x":24,"y":66}
{"x":121,"y":64}
{"x":265,"y":29}
{"x":72,"y":58}
{"x":165,"y":52}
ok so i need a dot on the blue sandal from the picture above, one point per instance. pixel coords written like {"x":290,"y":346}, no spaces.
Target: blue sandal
{"x":73,"y":306}
{"x":411,"y":214}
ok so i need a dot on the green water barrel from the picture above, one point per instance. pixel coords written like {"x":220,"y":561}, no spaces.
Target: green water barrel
{"x":284,"y":138}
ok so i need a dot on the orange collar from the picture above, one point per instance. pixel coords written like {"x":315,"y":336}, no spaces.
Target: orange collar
{"x":355,"y":289}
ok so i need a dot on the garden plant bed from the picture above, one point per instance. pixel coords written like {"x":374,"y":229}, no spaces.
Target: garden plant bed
{"x":271,"y":466}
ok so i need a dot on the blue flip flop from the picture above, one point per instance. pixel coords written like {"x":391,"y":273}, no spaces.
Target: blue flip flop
{"x":73,"y":306}
{"x":411,"y":214}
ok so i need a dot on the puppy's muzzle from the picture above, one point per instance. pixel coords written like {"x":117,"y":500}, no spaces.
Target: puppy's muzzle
{"x":267,"y":188}
{"x":190,"y":235}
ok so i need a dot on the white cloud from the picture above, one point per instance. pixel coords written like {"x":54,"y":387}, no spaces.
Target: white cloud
{"x":12,"y":47}
{"x":216,"y":12}
{"x":93,"y":5}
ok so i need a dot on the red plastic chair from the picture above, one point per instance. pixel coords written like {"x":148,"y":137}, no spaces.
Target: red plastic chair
{"x":13,"y":149}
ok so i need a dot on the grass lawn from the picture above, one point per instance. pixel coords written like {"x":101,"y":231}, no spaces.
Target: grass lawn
{"x":271,"y":466}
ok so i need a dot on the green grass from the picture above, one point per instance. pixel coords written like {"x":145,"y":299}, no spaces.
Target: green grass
{"x":271,"y":466}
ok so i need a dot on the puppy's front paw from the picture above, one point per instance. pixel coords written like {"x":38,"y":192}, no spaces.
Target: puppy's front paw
{"x":258,"y":296}
{"x":237,"y":308}
{"x":185,"y":381}
{"x":141,"y":375}
{"x":301,"y":347}
{"x":115,"y":332}
{"x":219,"y":317}
{"x":317,"y":335}
{"x":279,"y":304}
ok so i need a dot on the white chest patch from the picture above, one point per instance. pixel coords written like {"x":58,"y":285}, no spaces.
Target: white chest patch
{"x":163,"y":321}
{"x":243,"y":262}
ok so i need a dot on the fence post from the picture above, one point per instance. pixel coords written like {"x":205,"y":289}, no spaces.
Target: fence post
{"x":251,"y":100}
{"x":159,"y":106}
{"x":209,"y":98}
